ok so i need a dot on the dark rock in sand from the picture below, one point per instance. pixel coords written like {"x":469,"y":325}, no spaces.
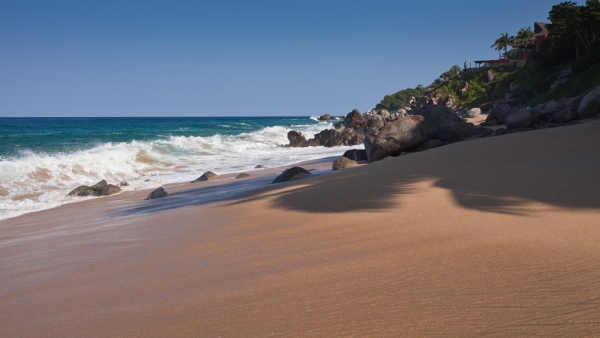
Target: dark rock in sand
{"x":209,"y":175}
{"x":158,"y":193}
{"x":396,"y":137}
{"x":260,"y":166}
{"x":242,"y":175}
{"x":291,"y":174}
{"x":343,"y":163}
{"x":110,"y":189}
{"x":519,"y":119}
{"x":358,"y":155}
{"x":296,"y":139}
{"x":500,"y":131}
{"x":123,"y":184}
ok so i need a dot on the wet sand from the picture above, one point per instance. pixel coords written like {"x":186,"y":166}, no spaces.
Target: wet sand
{"x":492,"y":237}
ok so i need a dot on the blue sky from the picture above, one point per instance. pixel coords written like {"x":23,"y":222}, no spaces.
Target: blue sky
{"x":246,"y":58}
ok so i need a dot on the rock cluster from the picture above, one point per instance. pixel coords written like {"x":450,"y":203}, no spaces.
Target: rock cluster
{"x":384,"y":134}
{"x":101,"y":188}
{"x":327,"y":117}
{"x":545,"y":115}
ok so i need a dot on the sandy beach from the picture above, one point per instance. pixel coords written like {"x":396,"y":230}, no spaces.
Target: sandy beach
{"x":491,"y":237}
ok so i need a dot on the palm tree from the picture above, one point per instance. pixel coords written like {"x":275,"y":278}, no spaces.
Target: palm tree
{"x":525,"y":37}
{"x":503,"y":42}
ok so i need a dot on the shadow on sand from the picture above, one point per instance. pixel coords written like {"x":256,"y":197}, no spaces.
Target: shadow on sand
{"x":557,"y":171}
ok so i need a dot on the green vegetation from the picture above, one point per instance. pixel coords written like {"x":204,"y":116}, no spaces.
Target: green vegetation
{"x":400,"y":99}
{"x":573,"y":43}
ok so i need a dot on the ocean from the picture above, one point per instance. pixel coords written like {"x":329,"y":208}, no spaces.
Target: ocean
{"x":43,"y":159}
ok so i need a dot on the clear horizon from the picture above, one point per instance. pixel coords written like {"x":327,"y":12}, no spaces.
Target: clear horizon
{"x":234,"y":58}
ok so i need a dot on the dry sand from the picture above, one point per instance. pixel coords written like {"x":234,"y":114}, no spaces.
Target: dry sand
{"x":493,"y":237}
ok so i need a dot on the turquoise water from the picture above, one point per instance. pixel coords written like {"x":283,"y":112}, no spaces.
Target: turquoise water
{"x":42,"y":159}
{"x":59,"y":135}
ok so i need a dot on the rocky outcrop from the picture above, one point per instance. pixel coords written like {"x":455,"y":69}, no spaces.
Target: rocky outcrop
{"x":343,"y":163}
{"x":396,"y":137}
{"x":209,"y":175}
{"x":594,"y":95}
{"x":355,"y":120}
{"x":158,"y":193}
{"x":296,"y":139}
{"x":291,"y":174}
{"x":101,"y":188}
{"x":443,"y":124}
{"x":242,"y":175}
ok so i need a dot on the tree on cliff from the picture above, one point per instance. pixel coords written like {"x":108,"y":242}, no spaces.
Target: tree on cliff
{"x":503,"y":42}
{"x":524,"y":38}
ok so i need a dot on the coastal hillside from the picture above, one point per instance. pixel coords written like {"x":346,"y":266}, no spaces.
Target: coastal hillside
{"x":544,"y":78}
{"x":557,"y":60}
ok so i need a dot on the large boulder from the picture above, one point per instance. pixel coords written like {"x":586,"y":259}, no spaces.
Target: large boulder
{"x":563,"y":116}
{"x":519,"y":119}
{"x":443,"y":124}
{"x":209,"y":175}
{"x":473,"y":112}
{"x":325,"y":117}
{"x":499,"y":112}
{"x":355,"y":120}
{"x":329,"y":138}
{"x":158,"y":193}
{"x":296,"y":139}
{"x":396,"y":137}
{"x":291,"y":174}
{"x":343,"y":163}
{"x":550,"y":107}
{"x":594,"y":95}
{"x":358,"y":155}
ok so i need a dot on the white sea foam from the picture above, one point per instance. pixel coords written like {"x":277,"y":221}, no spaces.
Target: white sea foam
{"x":34,"y":181}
